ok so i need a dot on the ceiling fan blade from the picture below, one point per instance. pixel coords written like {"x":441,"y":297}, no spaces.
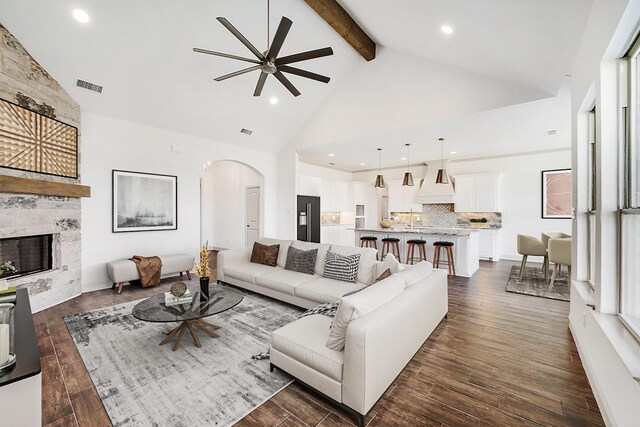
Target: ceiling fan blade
{"x":240,"y":37}
{"x":285,"y":81}
{"x":237,"y":73}
{"x":304,"y":56}
{"x":226,"y":55}
{"x":260,"y":85}
{"x":278,"y":39}
{"x":304,"y":73}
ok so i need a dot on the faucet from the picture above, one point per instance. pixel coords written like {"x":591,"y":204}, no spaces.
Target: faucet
{"x":411,"y":219}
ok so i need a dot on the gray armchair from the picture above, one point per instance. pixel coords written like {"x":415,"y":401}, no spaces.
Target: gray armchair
{"x":559,"y":254}
{"x":530,"y":246}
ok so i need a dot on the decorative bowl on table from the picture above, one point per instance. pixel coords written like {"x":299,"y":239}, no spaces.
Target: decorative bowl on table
{"x":385,"y":223}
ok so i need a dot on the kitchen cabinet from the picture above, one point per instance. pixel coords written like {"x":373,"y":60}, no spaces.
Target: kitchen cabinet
{"x":334,"y":196}
{"x":490,"y":245}
{"x":309,"y":186}
{"x":337,"y":235}
{"x":476,"y":193}
{"x":403,"y":198}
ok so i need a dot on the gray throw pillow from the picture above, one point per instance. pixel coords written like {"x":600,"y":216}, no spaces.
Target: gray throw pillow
{"x":301,"y":261}
{"x":341,"y":267}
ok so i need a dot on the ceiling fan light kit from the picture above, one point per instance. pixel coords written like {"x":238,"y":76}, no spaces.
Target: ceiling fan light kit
{"x":268,"y":62}
{"x":441,"y":177}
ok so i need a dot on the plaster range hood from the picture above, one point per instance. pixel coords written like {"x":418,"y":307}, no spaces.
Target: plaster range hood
{"x":431,"y":193}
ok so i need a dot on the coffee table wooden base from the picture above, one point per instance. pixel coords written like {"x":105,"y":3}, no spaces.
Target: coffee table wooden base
{"x":193,"y":326}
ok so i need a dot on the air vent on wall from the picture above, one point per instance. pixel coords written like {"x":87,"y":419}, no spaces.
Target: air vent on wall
{"x":246,"y":131}
{"x":89,"y":86}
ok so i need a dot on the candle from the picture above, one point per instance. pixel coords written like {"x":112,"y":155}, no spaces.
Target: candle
{"x":4,"y":343}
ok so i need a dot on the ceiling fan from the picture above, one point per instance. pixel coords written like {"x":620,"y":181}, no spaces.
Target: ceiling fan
{"x":268,"y":62}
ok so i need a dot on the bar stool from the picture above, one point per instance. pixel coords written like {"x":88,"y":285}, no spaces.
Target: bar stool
{"x":448,"y":246}
{"x":422,"y":250}
{"x":391,"y":244}
{"x":369,"y":242}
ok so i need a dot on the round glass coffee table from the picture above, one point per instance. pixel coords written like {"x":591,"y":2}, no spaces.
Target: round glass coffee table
{"x":189,"y":315}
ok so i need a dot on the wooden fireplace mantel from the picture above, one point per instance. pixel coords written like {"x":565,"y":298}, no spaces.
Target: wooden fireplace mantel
{"x":13,"y":184}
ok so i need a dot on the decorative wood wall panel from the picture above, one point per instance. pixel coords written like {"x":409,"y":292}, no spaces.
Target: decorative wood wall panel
{"x":33,"y":142}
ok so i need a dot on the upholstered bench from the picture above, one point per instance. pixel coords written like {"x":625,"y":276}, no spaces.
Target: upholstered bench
{"x":125,"y":270}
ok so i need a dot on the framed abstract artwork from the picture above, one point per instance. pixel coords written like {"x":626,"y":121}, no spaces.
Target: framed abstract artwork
{"x":556,"y":194}
{"x":32,"y":142}
{"x":144,"y":201}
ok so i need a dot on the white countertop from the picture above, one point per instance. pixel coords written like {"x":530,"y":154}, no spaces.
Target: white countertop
{"x":447,"y":231}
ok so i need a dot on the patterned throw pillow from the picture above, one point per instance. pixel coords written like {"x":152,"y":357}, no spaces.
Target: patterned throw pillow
{"x":341,"y":267}
{"x":263,"y":254}
{"x":301,"y":261}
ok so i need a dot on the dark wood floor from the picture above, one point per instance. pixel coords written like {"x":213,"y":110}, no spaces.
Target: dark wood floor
{"x":500,"y":359}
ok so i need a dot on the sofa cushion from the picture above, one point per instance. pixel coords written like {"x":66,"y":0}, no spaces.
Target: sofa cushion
{"x":353,"y":306}
{"x":322,"y":252}
{"x":284,"y":245}
{"x":341,"y":267}
{"x":263,"y":254}
{"x":247,"y":271}
{"x":323,"y":290}
{"x":412,"y":274}
{"x":283,"y":280}
{"x":366,"y":271}
{"x":304,"y":340}
{"x":301,"y":261}
{"x":389,"y":262}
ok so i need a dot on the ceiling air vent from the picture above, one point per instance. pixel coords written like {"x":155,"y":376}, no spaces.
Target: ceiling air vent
{"x":551,"y":132}
{"x":246,"y":131}
{"x":89,"y":86}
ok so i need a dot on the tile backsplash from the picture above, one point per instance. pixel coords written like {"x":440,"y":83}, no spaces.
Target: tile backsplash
{"x":444,"y":215}
{"x":330,"y":218}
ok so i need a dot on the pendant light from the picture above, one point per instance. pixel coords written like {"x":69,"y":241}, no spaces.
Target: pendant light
{"x":379,"y":179}
{"x":407,"y":181}
{"x":442,"y":178}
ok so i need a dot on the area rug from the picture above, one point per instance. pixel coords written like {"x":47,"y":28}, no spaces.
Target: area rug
{"x":533,"y":283}
{"x":144,"y":384}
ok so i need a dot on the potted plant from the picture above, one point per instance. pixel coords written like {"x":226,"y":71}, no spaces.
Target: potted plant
{"x":6,"y":267}
{"x":202,"y":269}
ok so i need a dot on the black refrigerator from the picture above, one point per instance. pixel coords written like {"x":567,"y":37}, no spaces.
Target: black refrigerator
{"x":308,"y":219}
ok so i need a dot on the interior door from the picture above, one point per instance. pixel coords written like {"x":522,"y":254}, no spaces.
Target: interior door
{"x":253,"y":216}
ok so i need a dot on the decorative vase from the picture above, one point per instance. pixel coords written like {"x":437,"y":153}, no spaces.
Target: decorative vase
{"x":204,"y":287}
{"x":385,"y":223}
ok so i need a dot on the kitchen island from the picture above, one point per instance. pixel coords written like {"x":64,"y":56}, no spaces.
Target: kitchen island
{"x":466,"y":243}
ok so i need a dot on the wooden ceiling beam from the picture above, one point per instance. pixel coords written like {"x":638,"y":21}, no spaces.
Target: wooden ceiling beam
{"x":343,"y":23}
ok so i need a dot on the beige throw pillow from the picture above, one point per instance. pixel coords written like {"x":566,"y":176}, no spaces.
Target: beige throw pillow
{"x":365,"y":301}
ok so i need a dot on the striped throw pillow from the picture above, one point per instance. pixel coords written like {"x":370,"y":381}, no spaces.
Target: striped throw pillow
{"x":341,"y":267}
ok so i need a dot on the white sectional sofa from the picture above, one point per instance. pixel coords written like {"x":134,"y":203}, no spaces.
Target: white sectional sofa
{"x":379,"y":343}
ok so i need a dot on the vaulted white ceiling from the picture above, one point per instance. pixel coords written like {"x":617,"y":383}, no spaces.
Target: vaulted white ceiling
{"x":502,"y":52}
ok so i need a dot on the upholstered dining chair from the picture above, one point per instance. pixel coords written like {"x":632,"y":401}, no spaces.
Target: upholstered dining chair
{"x":559,"y":254}
{"x":530,"y":246}
{"x":548,"y":235}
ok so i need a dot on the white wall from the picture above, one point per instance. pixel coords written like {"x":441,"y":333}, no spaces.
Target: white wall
{"x":606,"y":353}
{"x":520,"y":194}
{"x":224,"y":187}
{"x":115,"y":144}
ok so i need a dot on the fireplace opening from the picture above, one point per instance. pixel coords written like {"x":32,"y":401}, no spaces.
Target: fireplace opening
{"x":29,"y":254}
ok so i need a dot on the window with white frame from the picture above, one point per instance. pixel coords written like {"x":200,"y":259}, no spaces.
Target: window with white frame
{"x":630,"y":212}
{"x":591,"y":212}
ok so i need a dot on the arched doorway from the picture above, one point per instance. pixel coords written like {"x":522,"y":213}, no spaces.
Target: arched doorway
{"x":232,"y":204}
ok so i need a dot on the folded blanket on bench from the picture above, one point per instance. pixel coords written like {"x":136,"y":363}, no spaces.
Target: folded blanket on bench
{"x":148,"y":269}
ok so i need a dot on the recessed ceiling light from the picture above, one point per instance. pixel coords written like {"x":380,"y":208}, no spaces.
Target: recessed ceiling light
{"x":331,"y":154}
{"x":403,"y":158}
{"x":452,"y":152}
{"x":446,"y":29}
{"x":362,"y":164}
{"x":273,"y":100}
{"x":80,"y":15}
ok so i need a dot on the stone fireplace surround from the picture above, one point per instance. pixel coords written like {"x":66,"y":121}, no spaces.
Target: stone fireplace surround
{"x":24,"y":82}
